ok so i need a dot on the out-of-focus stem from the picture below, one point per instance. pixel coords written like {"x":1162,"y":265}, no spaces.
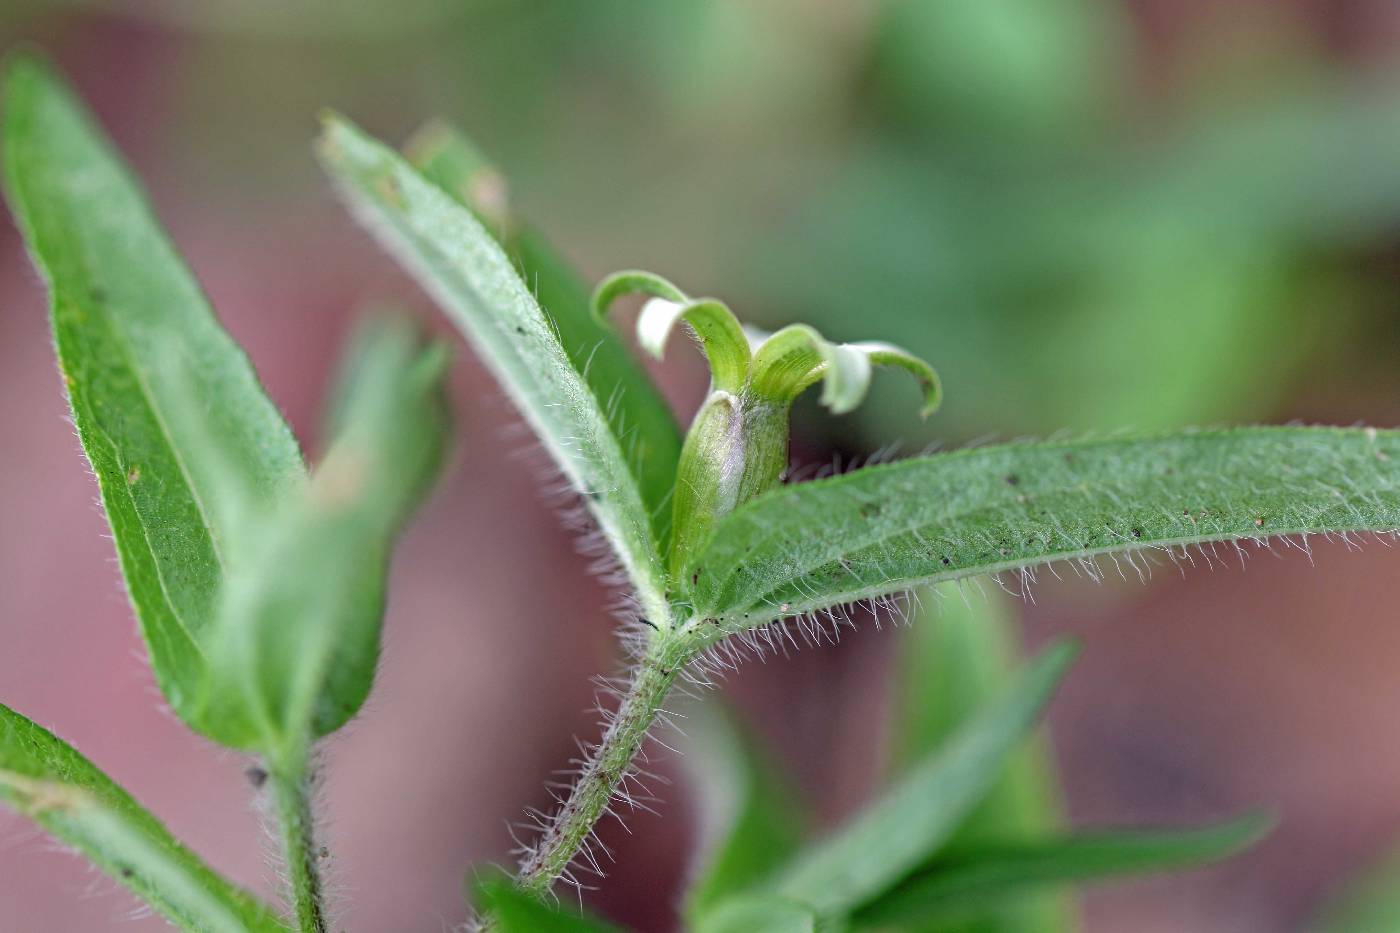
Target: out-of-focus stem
{"x":291,"y":795}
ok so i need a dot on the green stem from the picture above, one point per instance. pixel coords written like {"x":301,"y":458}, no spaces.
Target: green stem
{"x":291,"y":794}
{"x":606,"y":767}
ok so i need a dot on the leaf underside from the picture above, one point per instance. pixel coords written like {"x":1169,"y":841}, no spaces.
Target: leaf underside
{"x":46,"y":779}
{"x":884,"y":529}
{"x":635,"y":408}
{"x":458,"y":261}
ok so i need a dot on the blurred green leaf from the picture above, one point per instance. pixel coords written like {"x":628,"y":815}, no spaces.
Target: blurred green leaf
{"x":45,"y":778}
{"x":914,"y":819}
{"x":294,"y":650}
{"x":129,"y":323}
{"x":1367,"y":904}
{"x":981,"y":878}
{"x":514,"y":911}
{"x":635,"y":408}
{"x":750,"y":820}
{"x":758,"y":914}
{"x":1030,"y":71}
{"x":957,"y":654}
{"x":883,"y":529}
{"x":459,"y":262}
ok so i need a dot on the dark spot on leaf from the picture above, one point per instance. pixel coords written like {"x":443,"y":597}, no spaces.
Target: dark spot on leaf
{"x":519,"y":329}
{"x":1137,"y":532}
{"x":946,"y":562}
{"x":1259,"y":522}
{"x":323,"y":852}
{"x":127,"y":871}
{"x":1012,"y":479}
{"x":256,"y":776}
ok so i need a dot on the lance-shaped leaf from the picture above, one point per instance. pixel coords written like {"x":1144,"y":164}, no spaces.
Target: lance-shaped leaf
{"x":796,"y":357}
{"x":122,"y":306}
{"x":884,"y":529}
{"x":750,"y":820}
{"x":909,"y":824}
{"x":463,"y":266}
{"x":635,"y":408}
{"x":959,"y":652}
{"x":989,"y":877}
{"x":721,"y":336}
{"x":513,"y":911}
{"x":297,"y":638}
{"x":45,"y":778}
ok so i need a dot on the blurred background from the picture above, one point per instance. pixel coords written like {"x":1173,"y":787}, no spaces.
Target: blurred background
{"x":1090,"y":215}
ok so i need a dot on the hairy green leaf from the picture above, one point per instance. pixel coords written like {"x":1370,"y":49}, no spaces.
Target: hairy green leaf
{"x":294,"y":650}
{"x":911,"y":822}
{"x":750,"y":913}
{"x":513,"y":911}
{"x":635,"y":408}
{"x":45,"y":778}
{"x":750,"y":822}
{"x":972,"y":881}
{"x":958,"y":653}
{"x":463,"y":266}
{"x":884,"y":529}
{"x":125,"y":312}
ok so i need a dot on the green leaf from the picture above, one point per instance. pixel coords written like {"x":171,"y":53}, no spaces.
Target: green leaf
{"x":884,"y":529}
{"x":460,"y":263}
{"x":514,"y":911}
{"x":124,"y":312}
{"x":750,"y":823}
{"x":635,"y":408}
{"x":957,"y":886}
{"x":297,"y":640}
{"x":958,"y":654}
{"x":45,"y":778}
{"x":1368,"y":903}
{"x":910,"y":823}
{"x":757,"y":914}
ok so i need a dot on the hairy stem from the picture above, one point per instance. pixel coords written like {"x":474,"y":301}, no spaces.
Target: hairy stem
{"x":291,"y":794}
{"x":607,"y":766}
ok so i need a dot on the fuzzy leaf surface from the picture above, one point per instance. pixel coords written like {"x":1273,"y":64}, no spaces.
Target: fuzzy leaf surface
{"x":294,"y":650}
{"x":458,"y":261}
{"x":125,"y":311}
{"x":638,"y":413}
{"x":974,"y":881}
{"x":909,"y":824}
{"x":46,"y":779}
{"x":884,"y":529}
